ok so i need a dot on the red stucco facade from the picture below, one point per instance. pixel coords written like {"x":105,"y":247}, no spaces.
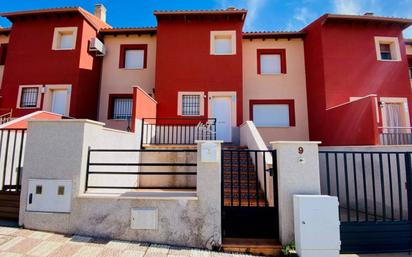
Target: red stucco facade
{"x":31,"y":61}
{"x":341,"y":62}
{"x":184,"y":62}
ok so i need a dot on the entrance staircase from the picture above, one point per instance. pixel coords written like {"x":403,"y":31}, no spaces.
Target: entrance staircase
{"x":240,"y":176}
{"x":241,"y":189}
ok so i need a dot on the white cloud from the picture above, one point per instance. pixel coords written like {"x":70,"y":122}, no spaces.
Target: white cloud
{"x":407,"y":33}
{"x":303,"y":15}
{"x":347,"y":6}
{"x":254,"y":8}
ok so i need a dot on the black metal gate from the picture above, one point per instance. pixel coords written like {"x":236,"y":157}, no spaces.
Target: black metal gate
{"x":374,"y":191}
{"x":12,"y":142}
{"x":249,"y":194}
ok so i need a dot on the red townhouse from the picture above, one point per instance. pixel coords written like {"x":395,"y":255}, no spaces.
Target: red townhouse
{"x":47,"y":63}
{"x":342,"y":80}
{"x":357,"y":79}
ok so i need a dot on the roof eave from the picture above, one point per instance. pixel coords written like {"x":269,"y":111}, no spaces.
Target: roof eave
{"x":128,"y":31}
{"x":274,"y":35}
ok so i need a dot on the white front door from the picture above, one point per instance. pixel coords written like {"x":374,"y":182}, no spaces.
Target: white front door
{"x":222,"y":111}
{"x":59,"y":102}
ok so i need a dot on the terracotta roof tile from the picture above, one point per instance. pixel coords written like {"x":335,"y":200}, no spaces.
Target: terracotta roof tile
{"x":129,"y":30}
{"x":93,"y":20}
{"x":215,"y":11}
{"x":273,"y":34}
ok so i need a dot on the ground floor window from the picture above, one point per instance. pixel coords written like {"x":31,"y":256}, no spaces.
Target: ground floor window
{"x":190,"y":103}
{"x":120,"y":107}
{"x":29,"y":97}
{"x":272,"y":113}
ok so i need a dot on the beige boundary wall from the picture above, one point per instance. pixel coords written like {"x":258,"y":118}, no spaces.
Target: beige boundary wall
{"x":298,"y":174}
{"x":58,"y":150}
{"x":291,"y":85}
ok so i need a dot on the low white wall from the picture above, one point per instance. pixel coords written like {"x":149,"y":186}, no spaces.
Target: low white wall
{"x":250,"y":137}
{"x":58,"y":150}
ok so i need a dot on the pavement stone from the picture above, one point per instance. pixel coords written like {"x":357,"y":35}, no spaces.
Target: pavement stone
{"x":18,"y":242}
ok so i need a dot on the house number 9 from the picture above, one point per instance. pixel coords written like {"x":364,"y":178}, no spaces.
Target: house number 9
{"x":300,"y":150}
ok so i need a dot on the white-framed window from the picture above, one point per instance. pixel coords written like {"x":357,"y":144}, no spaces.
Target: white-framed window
{"x":270,"y":64}
{"x":29,"y":97}
{"x":387,"y":49}
{"x":223,"y":42}
{"x":190,"y":103}
{"x":134,"y":59}
{"x":64,"y":38}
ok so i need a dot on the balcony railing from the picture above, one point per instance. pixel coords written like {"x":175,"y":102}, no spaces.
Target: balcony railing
{"x":395,"y":135}
{"x":175,"y":131}
{"x":5,"y":115}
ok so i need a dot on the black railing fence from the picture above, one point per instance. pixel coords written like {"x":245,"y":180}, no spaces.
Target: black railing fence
{"x":177,"y":131}
{"x":249,"y":194}
{"x":12,"y":143}
{"x":141,"y":169}
{"x":371,"y":186}
{"x":248,"y":177}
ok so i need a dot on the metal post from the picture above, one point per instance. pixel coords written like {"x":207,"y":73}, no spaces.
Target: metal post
{"x":408,"y":169}
{"x":87,"y":170}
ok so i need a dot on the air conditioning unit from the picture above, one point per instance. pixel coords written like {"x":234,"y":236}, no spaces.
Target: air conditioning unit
{"x":97,"y":46}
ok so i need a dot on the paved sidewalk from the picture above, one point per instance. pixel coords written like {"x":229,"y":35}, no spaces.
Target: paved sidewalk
{"x":16,"y":242}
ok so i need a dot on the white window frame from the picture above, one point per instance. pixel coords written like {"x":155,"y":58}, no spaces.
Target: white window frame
{"x":48,"y":96}
{"x":213,"y":34}
{"x":405,"y":110}
{"x":201,"y":102}
{"x":57,"y":35}
{"x":38,"y":96}
{"x":394,"y":46}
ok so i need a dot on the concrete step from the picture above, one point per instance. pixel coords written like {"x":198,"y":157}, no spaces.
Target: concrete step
{"x":269,"y":247}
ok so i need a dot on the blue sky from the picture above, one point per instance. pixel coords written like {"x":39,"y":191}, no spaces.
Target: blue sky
{"x":262,"y":14}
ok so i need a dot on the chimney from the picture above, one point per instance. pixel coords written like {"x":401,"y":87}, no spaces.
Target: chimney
{"x":368,"y":14}
{"x":100,"y":12}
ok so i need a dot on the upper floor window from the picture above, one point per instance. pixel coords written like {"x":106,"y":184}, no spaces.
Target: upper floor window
{"x":133,"y":56}
{"x":223,"y":42}
{"x":29,"y":97}
{"x":190,"y":103}
{"x":410,"y":66}
{"x":271,"y":61}
{"x":387,"y":49}
{"x":64,"y":38}
{"x":120,"y":107}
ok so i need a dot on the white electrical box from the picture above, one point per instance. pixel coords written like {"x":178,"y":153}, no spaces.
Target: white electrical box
{"x":316,"y":225}
{"x":49,"y":195}
{"x":209,"y":152}
{"x":144,"y":218}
